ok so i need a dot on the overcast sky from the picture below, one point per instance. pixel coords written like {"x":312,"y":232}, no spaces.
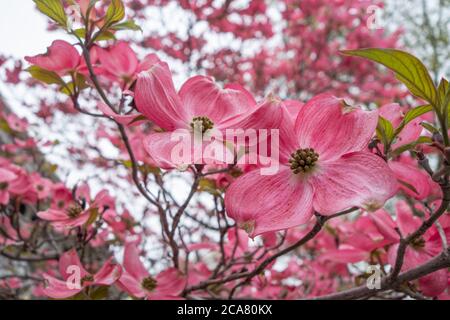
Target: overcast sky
{"x":17,"y":18}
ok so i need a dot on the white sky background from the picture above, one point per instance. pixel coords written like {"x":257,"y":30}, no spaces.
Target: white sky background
{"x":17,"y":19}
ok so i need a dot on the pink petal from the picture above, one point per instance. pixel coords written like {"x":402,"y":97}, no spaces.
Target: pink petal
{"x":53,"y":215}
{"x":73,"y":222}
{"x":132,"y":263}
{"x":119,"y":60}
{"x":6,"y":175}
{"x":170,"y":282}
{"x":61,"y":57}
{"x":407,"y":222}
{"x":261,"y":204}
{"x":430,"y":285}
{"x":288,"y":138}
{"x":4,"y":197}
{"x":266,"y":115}
{"x":58,"y":289}
{"x":148,"y":62}
{"x":235,"y":86}
{"x":161,"y":145}
{"x":412,"y":176}
{"x":358,"y":179}
{"x":120,"y":118}
{"x":434,"y":283}
{"x":68,"y":261}
{"x":293,"y":107}
{"x":108,"y":274}
{"x":332,"y":128}
{"x":385,"y":225}
{"x":201,"y":96}
{"x":156,"y":98}
{"x":352,"y":255}
{"x":131,"y":285}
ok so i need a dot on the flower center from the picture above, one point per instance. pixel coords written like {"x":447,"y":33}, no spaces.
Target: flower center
{"x":418,"y":243}
{"x":202,"y":124}
{"x":74,"y":211}
{"x":87,"y":278}
{"x":303,"y":160}
{"x":3,"y":185}
{"x":149,"y":284}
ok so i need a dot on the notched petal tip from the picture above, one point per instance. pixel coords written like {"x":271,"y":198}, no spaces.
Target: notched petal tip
{"x":248,"y":226}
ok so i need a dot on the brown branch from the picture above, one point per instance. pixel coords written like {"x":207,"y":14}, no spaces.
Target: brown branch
{"x":439,"y":262}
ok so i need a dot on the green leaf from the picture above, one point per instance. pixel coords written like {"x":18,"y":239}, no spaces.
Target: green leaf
{"x":444,"y":98}
{"x":72,"y":87}
{"x":46,"y":76}
{"x":407,"y":68}
{"x":115,"y":13}
{"x":429,"y":127}
{"x":415,"y":113}
{"x":411,"y":115}
{"x":443,"y":90}
{"x":93,"y":214}
{"x":106,"y":35}
{"x":410,"y":146}
{"x":4,"y":126}
{"x":127,"y":25}
{"x":385,"y":131}
{"x":80,"y":33}
{"x":54,"y":10}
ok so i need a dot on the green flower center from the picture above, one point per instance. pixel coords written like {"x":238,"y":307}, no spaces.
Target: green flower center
{"x":3,"y":185}
{"x":202,"y":124}
{"x":74,"y":211}
{"x":87,"y":278}
{"x":303,"y":160}
{"x":149,"y":284}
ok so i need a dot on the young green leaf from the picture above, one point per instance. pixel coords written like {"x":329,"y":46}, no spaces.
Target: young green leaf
{"x":398,"y":151}
{"x":444,"y":98}
{"x":385,"y":131}
{"x":46,"y":76}
{"x":106,"y":35}
{"x":407,"y":68}
{"x":81,"y":33}
{"x":416,"y":112}
{"x":127,"y":25}
{"x":115,"y":13}
{"x":429,"y":127}
{"x":443,"y":90}
{"x":54,"y":10}
{"x":411,"y":115}
{"x":72,"y":87}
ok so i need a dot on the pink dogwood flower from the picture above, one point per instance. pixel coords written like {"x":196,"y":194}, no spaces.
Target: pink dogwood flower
{"x":79,"y":211}
{"x":61,"y":57}
{"x":137,"y":282}
{"x":120,"y":63}
{"x":199,"y":101}
{"x":76,"y":278}
{"x":6,"y":176}
{"x":324,"y":167}
{"x":420,"y":251}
